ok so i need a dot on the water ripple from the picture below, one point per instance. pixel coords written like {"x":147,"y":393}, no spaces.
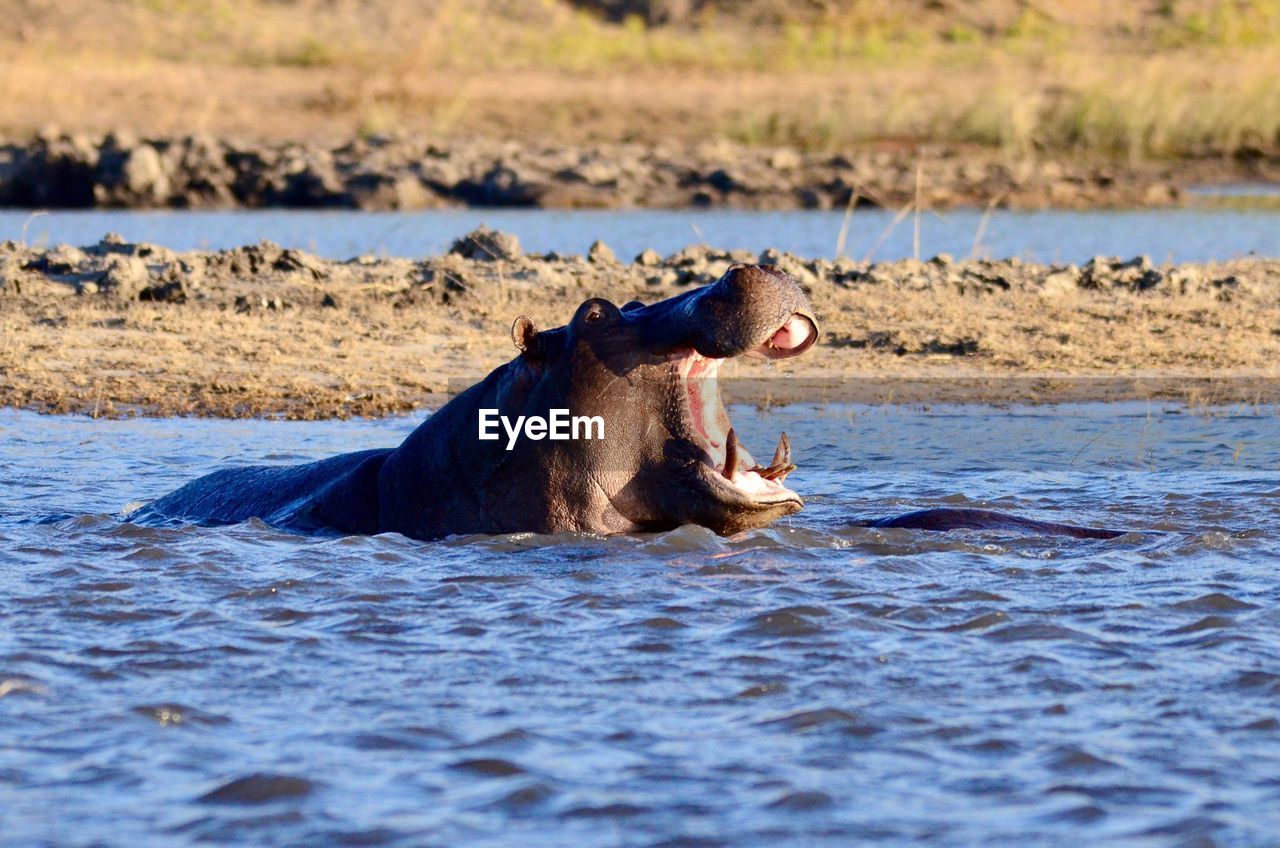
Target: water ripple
{"x":811,"y":683}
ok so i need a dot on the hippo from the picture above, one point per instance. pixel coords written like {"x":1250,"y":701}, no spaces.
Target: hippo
{"x":667,"y":456}
{"x":951,"y":518}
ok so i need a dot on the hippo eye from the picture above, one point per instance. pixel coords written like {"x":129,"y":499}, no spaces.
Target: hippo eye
{"x":597,"y":311}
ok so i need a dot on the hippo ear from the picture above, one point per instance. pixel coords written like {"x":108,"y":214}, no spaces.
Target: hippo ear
{"x":523,"y":334}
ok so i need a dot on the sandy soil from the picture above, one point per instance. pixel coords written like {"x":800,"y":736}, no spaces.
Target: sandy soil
{"x":123,"y":329}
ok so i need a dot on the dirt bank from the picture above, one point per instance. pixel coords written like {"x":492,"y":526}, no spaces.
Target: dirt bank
{"x":121,"y":170}
{"x":117,"y":328}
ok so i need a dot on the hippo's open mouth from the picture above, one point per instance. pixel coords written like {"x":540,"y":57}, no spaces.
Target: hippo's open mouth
{"x":736,"y":473}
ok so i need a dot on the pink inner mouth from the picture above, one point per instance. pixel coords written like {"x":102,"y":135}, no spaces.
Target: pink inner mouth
{"x":711,"y":426}
{"x":792,"y":334}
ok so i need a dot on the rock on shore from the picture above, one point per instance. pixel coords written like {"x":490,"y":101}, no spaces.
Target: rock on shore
{"x":123,"y":171}
{"x":119,"y":328}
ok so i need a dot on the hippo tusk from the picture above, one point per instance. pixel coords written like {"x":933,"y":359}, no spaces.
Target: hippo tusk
{"x":781,"y":465}
{"x":730,"y":455}
{"x":782,"y":456}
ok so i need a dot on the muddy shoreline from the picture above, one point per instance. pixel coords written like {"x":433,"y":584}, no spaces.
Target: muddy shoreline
{"x":133,"y":329}
{"x":121,"y":170}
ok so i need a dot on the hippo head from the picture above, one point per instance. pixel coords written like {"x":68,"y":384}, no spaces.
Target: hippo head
{"x":669,"y":455}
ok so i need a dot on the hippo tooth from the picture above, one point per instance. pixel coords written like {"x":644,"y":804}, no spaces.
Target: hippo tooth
{"x":730,"y":454}
{"x":777,"y":472}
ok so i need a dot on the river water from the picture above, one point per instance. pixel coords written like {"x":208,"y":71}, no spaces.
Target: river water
{"x":814,"y":683}
{"x":1185,"y":235}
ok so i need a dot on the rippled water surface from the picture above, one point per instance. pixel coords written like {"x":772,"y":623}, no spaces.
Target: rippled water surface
{"x":813,"y":683}
{"x":1184,"y":235}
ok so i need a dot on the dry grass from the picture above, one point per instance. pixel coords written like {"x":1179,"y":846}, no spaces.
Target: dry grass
{"x":1143,"y":80}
